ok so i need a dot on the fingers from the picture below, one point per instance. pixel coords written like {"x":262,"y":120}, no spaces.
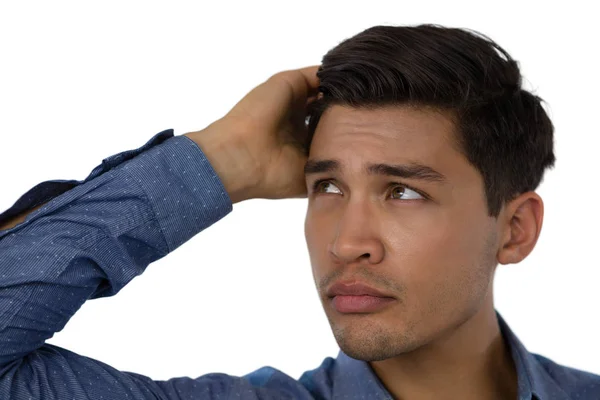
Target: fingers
{"x":281,"y":93}
{"x":303,"y":82}
{"x":310,"y":76}
{"x":311,"y":99}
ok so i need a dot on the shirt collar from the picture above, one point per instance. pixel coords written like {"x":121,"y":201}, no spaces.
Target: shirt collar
{"x":534,"y":383}
{"x":533,"y":380}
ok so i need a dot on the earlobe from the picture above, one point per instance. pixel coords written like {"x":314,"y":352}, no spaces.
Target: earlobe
{"x":524,"y":217}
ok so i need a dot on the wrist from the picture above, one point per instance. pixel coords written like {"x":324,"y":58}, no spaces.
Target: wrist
{"x":231,"y":161}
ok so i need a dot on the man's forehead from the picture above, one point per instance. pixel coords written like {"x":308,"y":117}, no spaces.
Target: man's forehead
{"x":391,"y":131}
{"x":404,"y":141}
{"x":403,"y":118}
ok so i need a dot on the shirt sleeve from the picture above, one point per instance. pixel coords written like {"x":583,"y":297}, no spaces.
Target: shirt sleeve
{"x":89,"y":240}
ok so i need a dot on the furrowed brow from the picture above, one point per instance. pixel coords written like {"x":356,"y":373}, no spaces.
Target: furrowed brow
{"x":413,"y":170}
{"x":321,"y":166}
{"x":408,"y":171}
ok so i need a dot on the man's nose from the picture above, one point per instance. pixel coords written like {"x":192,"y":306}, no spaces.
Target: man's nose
{"x":357,"y":237}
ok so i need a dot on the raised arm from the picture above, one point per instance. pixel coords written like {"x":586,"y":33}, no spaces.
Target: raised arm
{"x":65,"y":242}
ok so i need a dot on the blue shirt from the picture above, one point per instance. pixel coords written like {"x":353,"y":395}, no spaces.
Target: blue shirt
{"x":94,"y":236}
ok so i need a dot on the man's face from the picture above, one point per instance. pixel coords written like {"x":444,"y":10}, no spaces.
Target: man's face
{"x":425,"y":241}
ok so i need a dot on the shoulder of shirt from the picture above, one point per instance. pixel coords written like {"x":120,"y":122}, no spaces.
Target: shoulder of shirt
{"x":575,"y":382}
{"x":313,"y":384}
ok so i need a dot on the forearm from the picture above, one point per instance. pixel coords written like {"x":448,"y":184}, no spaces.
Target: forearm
{"x":91,"y":241}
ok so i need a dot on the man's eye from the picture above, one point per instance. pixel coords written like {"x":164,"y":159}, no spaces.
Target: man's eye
{"x":398,"y":192}
{"x":323,"y":186}
{"x":404,"y":193}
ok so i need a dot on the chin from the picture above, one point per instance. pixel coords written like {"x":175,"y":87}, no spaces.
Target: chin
{"x":366,"y":354}
{"x":369,"y":339}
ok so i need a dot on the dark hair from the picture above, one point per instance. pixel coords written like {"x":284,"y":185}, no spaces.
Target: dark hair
{"x":502,"y":129}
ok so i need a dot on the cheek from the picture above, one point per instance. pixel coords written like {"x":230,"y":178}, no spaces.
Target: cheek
{"x":316,"y":235}
{"x":438,"y":255}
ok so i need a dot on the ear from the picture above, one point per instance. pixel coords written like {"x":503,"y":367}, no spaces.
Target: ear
{"x":521,"y":228}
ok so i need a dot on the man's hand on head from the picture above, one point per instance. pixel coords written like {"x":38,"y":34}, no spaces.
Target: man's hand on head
{"x":257,"y":148}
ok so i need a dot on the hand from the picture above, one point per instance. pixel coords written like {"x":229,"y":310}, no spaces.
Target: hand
{"x":257,"y":148}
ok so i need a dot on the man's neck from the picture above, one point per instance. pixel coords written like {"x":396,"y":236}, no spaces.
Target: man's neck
{"x":472,"y":362}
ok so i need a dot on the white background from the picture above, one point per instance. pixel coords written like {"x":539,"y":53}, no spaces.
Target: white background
{"x":80,"y":81}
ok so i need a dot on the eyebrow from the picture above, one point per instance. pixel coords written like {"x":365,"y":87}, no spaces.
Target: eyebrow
{"x":412,"y":170}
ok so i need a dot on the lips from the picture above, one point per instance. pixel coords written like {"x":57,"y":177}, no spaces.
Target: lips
{"x":357,"y":298}
{"x":353,"y":289}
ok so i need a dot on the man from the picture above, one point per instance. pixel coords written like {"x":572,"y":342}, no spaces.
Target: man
{"x":419,"y":158}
